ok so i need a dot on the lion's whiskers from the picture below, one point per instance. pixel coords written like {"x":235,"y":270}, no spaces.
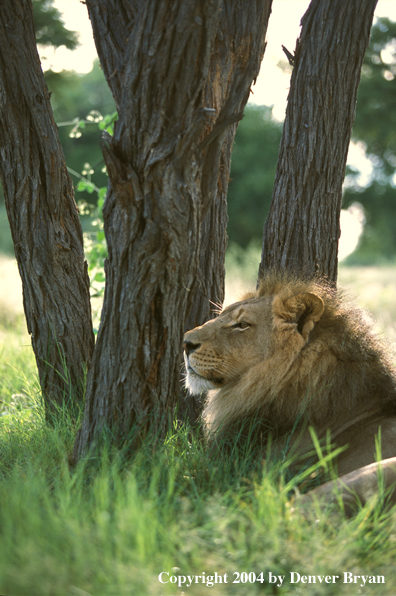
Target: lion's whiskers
{"x":218,"y":305}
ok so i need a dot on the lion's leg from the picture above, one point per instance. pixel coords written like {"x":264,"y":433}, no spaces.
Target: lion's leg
{"x":357,"y":486}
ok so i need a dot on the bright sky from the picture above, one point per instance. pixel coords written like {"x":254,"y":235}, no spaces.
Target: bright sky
{"x":271,"y":87}
{"x":272,"y":84}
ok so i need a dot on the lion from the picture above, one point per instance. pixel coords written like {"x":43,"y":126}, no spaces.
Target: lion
{"x":296,"y":357}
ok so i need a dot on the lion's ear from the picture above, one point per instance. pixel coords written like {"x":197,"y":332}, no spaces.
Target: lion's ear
{"x":304,"y":309}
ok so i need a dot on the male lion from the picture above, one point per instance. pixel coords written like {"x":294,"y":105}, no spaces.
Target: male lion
{"x":293,"y":355}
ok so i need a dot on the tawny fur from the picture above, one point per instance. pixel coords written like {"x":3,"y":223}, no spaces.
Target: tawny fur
{"x":321,"y":366}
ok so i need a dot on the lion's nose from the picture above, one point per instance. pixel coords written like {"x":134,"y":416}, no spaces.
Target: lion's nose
{"x":189,"y":347}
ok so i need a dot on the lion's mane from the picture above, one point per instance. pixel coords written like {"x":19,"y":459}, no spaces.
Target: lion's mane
{"x":343,"y":367}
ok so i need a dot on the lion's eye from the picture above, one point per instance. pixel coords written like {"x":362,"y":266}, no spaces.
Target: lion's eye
{"x":241,"y":325}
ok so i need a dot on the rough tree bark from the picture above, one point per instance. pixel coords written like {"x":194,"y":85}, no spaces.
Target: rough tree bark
{"x":237,"y":54}
{"x":43,"y":216}
{"x":302,"y":230}
{"x":167,"y":163}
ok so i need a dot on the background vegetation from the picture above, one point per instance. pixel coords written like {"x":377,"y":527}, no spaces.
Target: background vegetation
{"x":112,"y":524}
{"x":375,"y":127}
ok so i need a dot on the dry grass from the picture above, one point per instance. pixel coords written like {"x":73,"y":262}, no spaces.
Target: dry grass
{"x":10,"y":286}
{"x":372,"y":288}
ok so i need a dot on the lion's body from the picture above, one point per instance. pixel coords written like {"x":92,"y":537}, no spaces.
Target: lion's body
{"x":295,"y":356}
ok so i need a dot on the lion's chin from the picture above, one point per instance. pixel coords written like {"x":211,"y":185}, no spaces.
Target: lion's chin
{"x":197,"y":384}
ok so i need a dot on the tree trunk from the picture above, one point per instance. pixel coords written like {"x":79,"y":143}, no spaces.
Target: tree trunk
{"x":237,"y":55}
{"x":43,"y":216}
{"x":168,"y":164}
{"x":302,"y":230}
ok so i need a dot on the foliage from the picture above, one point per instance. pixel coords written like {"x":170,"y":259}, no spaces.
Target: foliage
{"x":378,"y":241}
{"x":6,"y":243}
{"x":95,"y":242}
{"x":256,"y":148}
{"x":253,"y":167}
{"x":49,"y":27}
{"x":74,"y":97}
{"x":375,"y":122}
{"x":375,"y":125}
{"x":77,"y":101}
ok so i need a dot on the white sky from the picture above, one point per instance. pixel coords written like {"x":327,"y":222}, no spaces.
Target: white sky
{"x":271,"y":87}
{"x":272,"y":84}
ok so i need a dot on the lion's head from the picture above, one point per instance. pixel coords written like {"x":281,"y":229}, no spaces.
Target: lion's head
{"x":293,"y":353}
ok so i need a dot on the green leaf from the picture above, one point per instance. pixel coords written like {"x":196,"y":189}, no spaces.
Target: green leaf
{"x":100,"y":277}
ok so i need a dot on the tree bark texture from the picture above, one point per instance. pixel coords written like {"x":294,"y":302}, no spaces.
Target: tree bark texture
{"x":235,"y":63}
{"x":43,"y":216}
{"x":302,"y":230}
{"x":168,"y":164}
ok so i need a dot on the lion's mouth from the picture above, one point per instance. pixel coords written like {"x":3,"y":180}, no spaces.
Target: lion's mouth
{"x":216,"y":381}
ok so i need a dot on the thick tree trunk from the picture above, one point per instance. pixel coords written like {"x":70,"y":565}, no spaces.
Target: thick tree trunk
{"x":302,"y":230}
{"x":43,"y":215}
{"x":167,"y":162}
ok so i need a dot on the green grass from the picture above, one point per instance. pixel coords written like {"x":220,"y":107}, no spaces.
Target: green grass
{"x":19,"y":385}
{"x":6,"y":244}
{"x":112,"y":524}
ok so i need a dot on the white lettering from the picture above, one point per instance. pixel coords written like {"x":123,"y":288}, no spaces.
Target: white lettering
{"x":364,"y":579}
{"x":294,"y":577}
{"x":181,"y":579}
{"x":160,"y":577}
{"x":218,"y":579}
{"x":272,"y":579}
{"x":349,"y":578}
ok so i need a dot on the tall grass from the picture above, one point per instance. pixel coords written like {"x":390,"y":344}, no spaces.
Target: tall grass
{"x":18,"y":374}
{"x":111,"y":524}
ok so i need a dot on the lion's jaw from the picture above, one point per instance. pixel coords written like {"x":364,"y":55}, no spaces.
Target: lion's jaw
{"x":194,"y":382}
